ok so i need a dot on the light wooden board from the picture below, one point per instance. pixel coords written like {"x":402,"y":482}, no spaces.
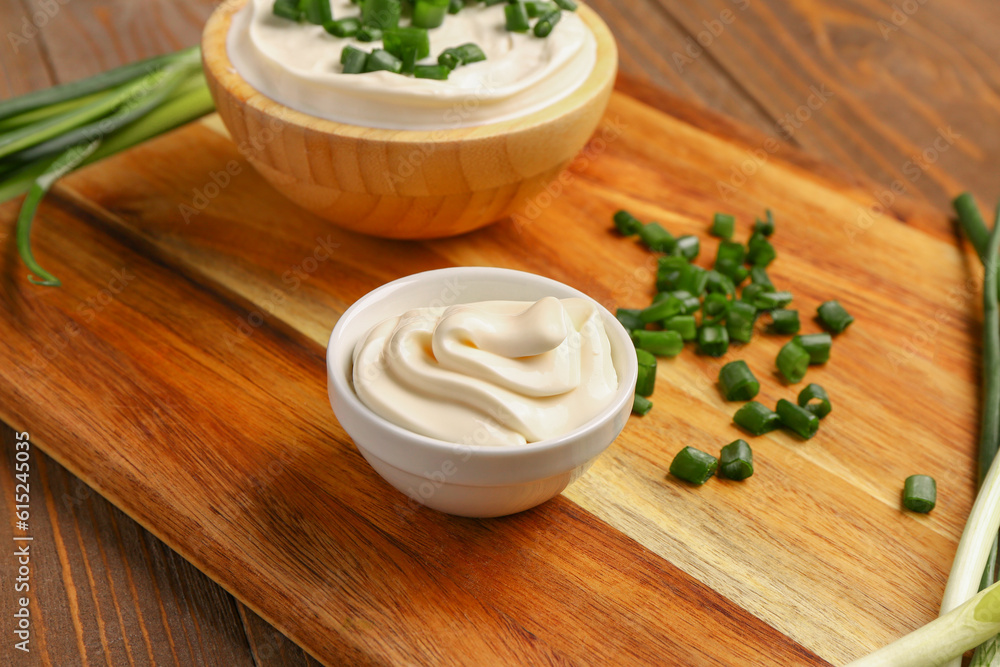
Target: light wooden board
{"x":216,"y":433}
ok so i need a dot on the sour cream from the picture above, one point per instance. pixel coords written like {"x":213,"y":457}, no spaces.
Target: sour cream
{"x":502,"y":373}
{"x":299,"y":66}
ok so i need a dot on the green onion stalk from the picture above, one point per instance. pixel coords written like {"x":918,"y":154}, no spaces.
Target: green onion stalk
{"x":49,"y":133}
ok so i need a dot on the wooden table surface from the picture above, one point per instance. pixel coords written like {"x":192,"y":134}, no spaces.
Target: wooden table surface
{"x":896,"y":80}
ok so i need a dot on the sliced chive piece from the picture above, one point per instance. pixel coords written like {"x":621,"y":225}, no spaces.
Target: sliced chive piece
{"x":438,"y":72}
{"x":753,"y":290}
{"x":756,"y":418}
{"x":318,"y":12}
{"x":760,"y":252}
{"x":539,"y":9}
{"x":718,"y":283}
{"x":449,"y":58}
{"x":730,"y":250}
{"x":693,"y":465}
{"x":785,"y":322}
{"x":382,"y":60}
{"x":769,"y":300}
{"x":693,"y":279}
{"x":429,"y":13}
{"x":381,"y":14}
{"x":758,"y":274}
{"x":740,"y":321}
{"x":656,"y":237}
{"x":690,"y":304}
{"x":469,"y":53}
{"x":688,"y":246}
{"x":397,"y":40}
{"x":713,"y":340}
{"x":659,"y":343}
{"x":764,"y":227}
{"x":661,"y":309}
{"x":793,"y":361}
{"x":714,"y":308}
{"x":732,"y":269}
{"x":646,"y":381}
{"x":368,"y":33}
{"x":834,"y":317}
{"x":736,"y":460}
{"x":568,"y":5}
{"x":517,"y":17}
{"x":287,"y":9}
{"x":353,"y":59}
{"x":409,"y":59}
{"x":346,"y":27}
{"x":738,"y":382}
{"x":629,"y":317}
{"x":814,"y":392}
{"x":668,"y":271}
{"x":685,"y":325}
{"x":798,"y":420}
{"x":626,"y":223}
{"x":455,"y":6}
{"x":919,"y":493}
{"x":545,"y":24}
{"x":641,"y":405}
{"x":723,"y":225}
{"x":817,"y":345}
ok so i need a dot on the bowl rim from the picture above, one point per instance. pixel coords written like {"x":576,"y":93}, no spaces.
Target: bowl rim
{"x":216,"y":62}
{"x":617,"y":335}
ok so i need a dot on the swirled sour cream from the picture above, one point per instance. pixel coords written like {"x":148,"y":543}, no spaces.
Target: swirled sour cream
{"x":488,"y":373}
{"x":299,"y":66}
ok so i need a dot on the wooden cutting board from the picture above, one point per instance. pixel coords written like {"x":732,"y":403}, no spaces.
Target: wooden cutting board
{"x":180,"y":371}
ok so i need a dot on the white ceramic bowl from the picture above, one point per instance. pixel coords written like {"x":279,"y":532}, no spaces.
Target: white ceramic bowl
{"x":470,"y":480}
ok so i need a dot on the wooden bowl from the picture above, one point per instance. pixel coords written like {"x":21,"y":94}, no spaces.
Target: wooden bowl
{"x":406,"y":184}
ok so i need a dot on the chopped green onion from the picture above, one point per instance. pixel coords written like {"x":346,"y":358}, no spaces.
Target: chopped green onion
{"x":784,"y":321}
{"x":568,"y":5}
{"x":661,"y":309}
{"x":740,"y":321}
{"x":758,"y":274}
{"x":769,"y":300}
{"x":539,"y":9}
{"x":646,"y":380}
{"x":736,"y":460}
{"x":380,"y":14}
{"x":656,"y":237}
{"x":668,"y":271}
{"x":629,"y":317}
{"x":719,"y":283}
{"x":693,"y":465}
{"x":439,"y":72}
{"x":919,"y":493}
{"x":382,"y":60}
{"x":817,"y":345}
{"x":793,"y":361}
{"x":693,"y":279}
{"x":318,"y":11}
{"x":430,"y":13}
{"x":626,"y":223}
{"x":764,"y":227}
{"x":409,"y":59}
{"x":738,"y":382}
{"x":347,"y":27}
{"x":517,"y":17}
{"x":287,"y":9}
{"x":814,"y":392}
{"x":353,"y":59}
{"x":714,"y":308}
{"x":753,"y":290}
{"x":397,"y":40}
{"x":833,"y":317}
{"x":448,"y":58}
{"x":730,"y":250}
{"x":713,"y":340}
{"x":684,"y":325}
{"x":723,"y":226}
{"x":455,"y":6}
{"x":659,"y":343}
{"x":641,"y":405}
{"x":798,"y":420}
{"x":368,"y":33}
{"x":732,"y":269}
{"x":690,"y":304}
{"x":756,"y":418}
{"x":469,"y":53}
{"x":688,"y":246}
{"x":544,"y":25}
{"x":760,"y":252}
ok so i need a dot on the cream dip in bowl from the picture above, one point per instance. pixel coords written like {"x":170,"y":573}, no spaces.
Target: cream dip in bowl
{"x":498,"y":461}
{"x":396,"y":156}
